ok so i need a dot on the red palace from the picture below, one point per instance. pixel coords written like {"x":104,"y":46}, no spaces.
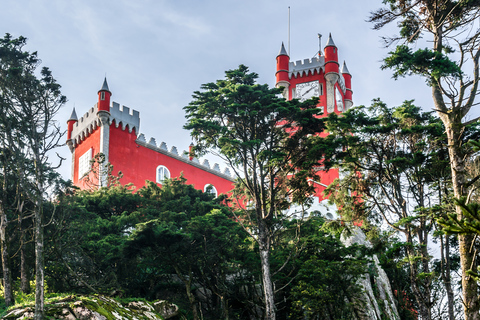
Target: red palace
{"x":113,"y":130}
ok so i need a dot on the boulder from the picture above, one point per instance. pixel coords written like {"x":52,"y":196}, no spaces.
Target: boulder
{"x":97,"y":307}
{"x":373,"y":304}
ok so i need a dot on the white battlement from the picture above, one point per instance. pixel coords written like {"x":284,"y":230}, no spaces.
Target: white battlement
{"x":85,"y":125}
{"x":118,"y":115}
{"x":125,"y":116}
{"x":205,"y":165}
{"x":306,"y":66}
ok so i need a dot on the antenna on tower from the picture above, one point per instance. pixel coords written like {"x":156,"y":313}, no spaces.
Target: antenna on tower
{"x":289,"y":31}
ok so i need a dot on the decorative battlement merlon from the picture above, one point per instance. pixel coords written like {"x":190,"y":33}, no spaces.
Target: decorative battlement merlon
{"x":118,"y":115}
{"x":305,"y":66}
{"x":123,"y":114}
{"x":85,"y":124}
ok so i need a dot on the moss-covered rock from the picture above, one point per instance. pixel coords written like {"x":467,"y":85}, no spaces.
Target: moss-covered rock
{"x":95,"y":308}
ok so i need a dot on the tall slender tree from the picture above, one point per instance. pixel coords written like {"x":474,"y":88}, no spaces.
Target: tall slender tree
{"x":266,"y":140}
{"x":451,"y":67}
{"x":34,"y":100}
{"x":390,"y":159}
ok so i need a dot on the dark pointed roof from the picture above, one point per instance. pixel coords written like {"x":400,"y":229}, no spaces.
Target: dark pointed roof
{"x":73,"y":116}
{"x":330,"y":42}
{"x":282,"y":52}
{"x":344,"y":68}
{"x":105,"y":86}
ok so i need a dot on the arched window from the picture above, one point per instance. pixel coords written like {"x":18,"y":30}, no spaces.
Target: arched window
{"x":162,"y":174}
{"x":210,"y":189}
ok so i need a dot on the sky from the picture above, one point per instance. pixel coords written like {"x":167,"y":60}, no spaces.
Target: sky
{"x":156,"y":53}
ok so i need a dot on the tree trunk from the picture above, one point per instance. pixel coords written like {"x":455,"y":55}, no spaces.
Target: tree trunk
{"x":187,"y":281}
{"x":264,"y":248}
{"x":424,"y":310}
{"x":445,"y":256}
{"x":454,"y":128}
{"x":7,"y":275}
{"x":39,"y":260}
{"x":24,"y":281}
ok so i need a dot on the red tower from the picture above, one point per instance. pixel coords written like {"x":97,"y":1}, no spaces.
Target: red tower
{"x":112,"y":130}
{"x":319,"y":77}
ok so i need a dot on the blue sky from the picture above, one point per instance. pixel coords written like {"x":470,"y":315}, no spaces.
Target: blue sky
{"x":155,"y":53}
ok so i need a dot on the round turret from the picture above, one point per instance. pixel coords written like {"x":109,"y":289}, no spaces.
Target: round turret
{"x":104,"y":95}
{"x":281,"y":75}
{"x":331,"y":56}
{"x":348,"y":85}
{"x":70,"y":122}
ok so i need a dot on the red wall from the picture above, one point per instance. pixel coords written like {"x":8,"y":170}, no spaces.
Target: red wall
{"x":139,"y":163}
{"x":91,"y":141}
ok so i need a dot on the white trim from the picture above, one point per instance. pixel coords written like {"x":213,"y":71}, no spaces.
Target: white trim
{"x":160,"y":176}
{"x":210,"y":188}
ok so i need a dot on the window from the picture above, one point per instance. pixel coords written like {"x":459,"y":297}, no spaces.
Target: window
{"x":102,"y":95}
{"x":210,"y":189}
{"x":84,"y":163}
{"x":162,"y":174}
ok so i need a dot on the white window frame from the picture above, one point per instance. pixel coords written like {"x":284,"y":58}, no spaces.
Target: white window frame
{"x":84,"y":163}
{"x":210,"y":188}
{"x":102,"y":95}
{"x":161,"y":176}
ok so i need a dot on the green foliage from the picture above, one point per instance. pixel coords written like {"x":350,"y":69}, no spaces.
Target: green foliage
{"x":259,"y":133}
{"x":426,"y":62}
{"x":325,"y":284}
{"x":388,"y":154}
{"x":192,"y":237}
{"x":395,"y":168}
{"x":469,"y":223}
{"x":114,"y":241}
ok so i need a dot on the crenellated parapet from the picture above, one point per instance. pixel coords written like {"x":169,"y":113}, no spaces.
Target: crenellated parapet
{"x":90,"y":121}
{"x":306,"y":66}
{"x":173,"y":153}
{"x":123,"y":115}
{"x":85,"y":126}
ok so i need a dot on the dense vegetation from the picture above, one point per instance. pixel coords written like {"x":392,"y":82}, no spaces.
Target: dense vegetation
{"x":223,"y":259}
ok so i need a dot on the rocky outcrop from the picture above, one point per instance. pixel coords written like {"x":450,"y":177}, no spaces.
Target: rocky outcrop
{"x":376,"y":302}
{"x":97,"y":308}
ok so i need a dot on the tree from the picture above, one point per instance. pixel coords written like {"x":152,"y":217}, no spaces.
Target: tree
{"x":195,"y":238}
{"x":391,"y":159}
{"x":451,"y":68}
{"x":323,"y":283}
{"x":265,"y":139}
{"x":34,"y":101}
{"x":88,"y":236}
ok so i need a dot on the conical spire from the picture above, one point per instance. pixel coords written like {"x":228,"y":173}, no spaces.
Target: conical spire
{"x":344,"y":68}
{"x":73,"y":116}
{"x":330,"y":42}
{"x":282,"y":52}
{"x":105,"y":86}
